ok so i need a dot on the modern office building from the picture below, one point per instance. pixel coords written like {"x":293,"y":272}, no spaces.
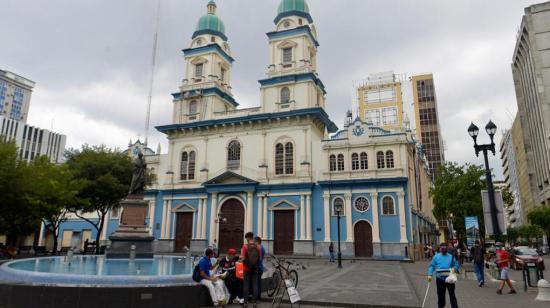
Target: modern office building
{"x":514,"y":212}
{"x":426,"y":117}
{"x":531,"y":73}
{"x":380,"y":101}
{"x":525,"y":193}
{"x":32,"y":141}
{"x":15,"y":96}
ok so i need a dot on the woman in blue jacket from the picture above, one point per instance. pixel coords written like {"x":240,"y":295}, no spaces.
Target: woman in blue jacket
{"x":443,"y":264}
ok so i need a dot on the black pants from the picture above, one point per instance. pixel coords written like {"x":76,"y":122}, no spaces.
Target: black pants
{"x":250,"y":279}
{"x":441,"y":287}
{"x":234,"y":286}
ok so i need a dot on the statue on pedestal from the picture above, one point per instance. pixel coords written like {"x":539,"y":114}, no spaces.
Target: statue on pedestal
{"x":137,"y":185}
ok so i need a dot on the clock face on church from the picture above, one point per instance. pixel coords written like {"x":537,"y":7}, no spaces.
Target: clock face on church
{"x":358,"y":131}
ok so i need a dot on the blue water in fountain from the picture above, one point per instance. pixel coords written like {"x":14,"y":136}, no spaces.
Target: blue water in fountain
{"x":97,"y":271}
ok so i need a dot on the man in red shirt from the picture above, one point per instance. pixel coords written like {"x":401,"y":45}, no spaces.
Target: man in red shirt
{"x":503,"y":264}
{"x":250,"y":256}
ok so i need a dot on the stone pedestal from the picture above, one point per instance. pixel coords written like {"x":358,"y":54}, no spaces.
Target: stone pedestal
{"x":131,"y":231}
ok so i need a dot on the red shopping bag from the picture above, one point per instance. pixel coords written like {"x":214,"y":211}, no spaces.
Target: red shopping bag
{"x":239,"y":270}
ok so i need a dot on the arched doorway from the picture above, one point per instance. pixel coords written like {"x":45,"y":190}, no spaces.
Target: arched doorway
{"x":363,"y":239}
{"x":231,"y":231}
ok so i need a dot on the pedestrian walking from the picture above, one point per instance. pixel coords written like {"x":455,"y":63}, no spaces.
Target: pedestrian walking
{"x":443,"y":264}
{"x":250,"y":256}
{"x":332,"y":258}
{"x":503,"y":265}
{"x":478,"y":255}
{"x":258,"y":241}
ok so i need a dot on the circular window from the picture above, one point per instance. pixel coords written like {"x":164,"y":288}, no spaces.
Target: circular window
{"x":286,"y":24}
{"x":199,"y":42}
{"x":361,"y":204}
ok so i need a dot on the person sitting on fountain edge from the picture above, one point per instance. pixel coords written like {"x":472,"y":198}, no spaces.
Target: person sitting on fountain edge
{"x":210,"y":280}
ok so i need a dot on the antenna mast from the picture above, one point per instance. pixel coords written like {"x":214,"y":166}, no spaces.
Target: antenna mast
{"x":153,"y":63}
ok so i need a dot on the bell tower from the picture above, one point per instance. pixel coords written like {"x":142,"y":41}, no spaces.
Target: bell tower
{"x":206,"y":87}
{"x":292,"y":81}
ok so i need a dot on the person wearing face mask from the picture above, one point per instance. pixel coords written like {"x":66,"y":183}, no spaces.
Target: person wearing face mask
{"x":443,"y":264}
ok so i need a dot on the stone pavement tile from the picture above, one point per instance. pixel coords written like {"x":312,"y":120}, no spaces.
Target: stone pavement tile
{"x":470,"y":295}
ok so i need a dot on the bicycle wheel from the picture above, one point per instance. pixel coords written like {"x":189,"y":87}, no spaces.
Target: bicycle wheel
{"x":273,"y":284}
{"x":293,"y":275}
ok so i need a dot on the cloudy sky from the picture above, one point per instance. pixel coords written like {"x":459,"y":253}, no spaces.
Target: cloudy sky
{"x":91,"y":59}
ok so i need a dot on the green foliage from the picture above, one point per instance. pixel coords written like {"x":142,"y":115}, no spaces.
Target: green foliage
{"x":530,"y":232}
{"x":540,"y":216}
{"x":106,"y":175}
{"x":507,"y":197}
{"x":512,"y":235}
{"x":54,"y":190}
{"x":457,"y":190}
{"x":17,"y":214}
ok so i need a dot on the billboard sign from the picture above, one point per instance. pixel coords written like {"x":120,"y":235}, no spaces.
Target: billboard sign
{"x":489,"y":230}
{"x":472,"y":229}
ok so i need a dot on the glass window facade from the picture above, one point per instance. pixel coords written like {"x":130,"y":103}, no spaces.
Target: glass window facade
{"x":373,"y":116}
{"x":17,"y":103}
{"x":3,"y":93}
{"x":389,"y":115}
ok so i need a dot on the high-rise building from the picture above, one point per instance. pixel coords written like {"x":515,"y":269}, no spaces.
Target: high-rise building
{"x":33,"y":141}
{"x":426,"y":121}
{"x":514,"y":213}
{"x":15,"y":96}
{"x":525,"y":193}
{"x":380,"y":100}
{"x":531,"y":72}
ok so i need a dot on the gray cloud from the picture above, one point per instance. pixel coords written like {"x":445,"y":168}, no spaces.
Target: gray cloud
{"x":91,"y":58}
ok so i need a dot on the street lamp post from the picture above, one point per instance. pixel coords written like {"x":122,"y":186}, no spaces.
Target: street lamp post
{"x":491,"y":129}
{"x":338,"y":209}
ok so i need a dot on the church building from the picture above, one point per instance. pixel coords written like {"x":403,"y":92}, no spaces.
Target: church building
{"x":283,"y":169}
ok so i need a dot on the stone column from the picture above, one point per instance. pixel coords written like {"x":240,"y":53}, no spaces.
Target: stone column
{"x":203,"y":224}
{"x":41,"y":235}
{"x":375,"y":227}
{"x":349,"y":225}
{"x":260,"y":216}
{"x":264,"y":224}
{"x":402,"y":223}
{"x":308,"y":217}
{"x":302,"y":218}
{"x":152,"y":206}
{"x":163,"y":220}
{"x":326,"y":216}
{"x":249,"y":212}
{"x":213,"y":219}
{"x":198,"y":216}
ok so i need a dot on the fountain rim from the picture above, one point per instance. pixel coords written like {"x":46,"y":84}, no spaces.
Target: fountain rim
{"x":9,"y":275}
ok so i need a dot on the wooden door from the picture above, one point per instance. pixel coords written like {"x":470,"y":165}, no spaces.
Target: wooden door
{"x":184,"y":230}
{"x":363,"y":239}
{"x":231,"y":232}
{"x":284,"y":232}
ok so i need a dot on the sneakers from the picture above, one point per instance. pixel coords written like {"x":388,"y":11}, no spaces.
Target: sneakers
{"x":499,"y":292}
{"x":512,"y":291}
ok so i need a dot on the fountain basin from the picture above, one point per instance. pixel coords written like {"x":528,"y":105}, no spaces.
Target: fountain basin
{"x":97,"y":271}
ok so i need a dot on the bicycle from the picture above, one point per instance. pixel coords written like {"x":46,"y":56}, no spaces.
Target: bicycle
{"x":281,"y":271}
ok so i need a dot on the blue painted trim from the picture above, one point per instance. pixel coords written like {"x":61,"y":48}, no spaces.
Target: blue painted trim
{"x":230,"y":187}
{"x":209,"y":91}
{"x":315,"y":111}
{"x":397,"y":180}
{"x":176,"y":191}
{"x":293,"y":13}
{"x":293,"y":78}
{"x":299,"y":30}
{"x":208,"y":31}
{"x":206,"y":48}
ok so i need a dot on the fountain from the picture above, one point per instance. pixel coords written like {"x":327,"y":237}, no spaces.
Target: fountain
{"x":129,"y":275}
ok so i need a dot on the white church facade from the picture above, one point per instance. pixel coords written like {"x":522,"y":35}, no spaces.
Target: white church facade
{"x":279,"y":169}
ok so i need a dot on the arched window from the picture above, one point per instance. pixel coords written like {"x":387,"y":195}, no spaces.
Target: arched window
{"x":234,"y":155}
{"x":279,"y":159}
{"x":289,"y":158}
{"x":361,"y":204}
{"x":380,"y":160}
{"x":389,"y":159}
{"x":332,"y":162}
{"x":388,"y":208}
{"x":354,"y":161}
{"x":192,"y":107}
{"x":184,"y":166}
{"x":364,"y":161}
{"x":285,"y":95}
{"x":191,"y":170}
{"x":340,"y":162}
{"x":338,"y":202}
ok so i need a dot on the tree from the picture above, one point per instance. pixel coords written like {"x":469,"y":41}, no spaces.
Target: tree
{"x":17,"y":215}
{"x":106,"y":176}
{"x":512,"y":235}
{"x":54,"y":191}
{"x":457,"y":191}
{"x":530,"y":232}
{"x":507,"y":197}
{"x":540,"y":216}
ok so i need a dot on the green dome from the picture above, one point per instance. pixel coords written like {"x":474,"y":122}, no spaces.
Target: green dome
{"x":210,"y":23}
{"x":293,"y":5}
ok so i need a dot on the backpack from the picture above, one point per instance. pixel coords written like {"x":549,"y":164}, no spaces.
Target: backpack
{"x":252,"y":257}
{"x":197,"y":273}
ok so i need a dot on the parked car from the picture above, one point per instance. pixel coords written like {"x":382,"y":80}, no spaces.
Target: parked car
{"x":522,"y":256}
